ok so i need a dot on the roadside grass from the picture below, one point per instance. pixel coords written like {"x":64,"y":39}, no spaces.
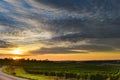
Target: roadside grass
{"x":19,"y":72}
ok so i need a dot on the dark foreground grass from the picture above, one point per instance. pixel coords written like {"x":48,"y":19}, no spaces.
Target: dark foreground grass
{"x":94,"y":70}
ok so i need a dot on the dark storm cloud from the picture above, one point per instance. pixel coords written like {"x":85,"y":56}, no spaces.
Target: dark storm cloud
{"x":78,"y":5}
{"x":86,"y":28}
{"x":94,"y":19}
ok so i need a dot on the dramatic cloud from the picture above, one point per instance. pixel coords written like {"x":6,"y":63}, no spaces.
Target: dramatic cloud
{"x":81,"y":46}
{"x":56,"y":50}
{"x":75,"y":49}
{"x":66,"y":26}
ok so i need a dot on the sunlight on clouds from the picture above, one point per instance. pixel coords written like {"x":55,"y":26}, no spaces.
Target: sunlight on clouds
{"x":64,"y":29}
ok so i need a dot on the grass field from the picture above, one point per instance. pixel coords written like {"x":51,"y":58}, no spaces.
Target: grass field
{"x":77,"y":71}
{"x":20,"y":72}
{"x":46,"y":70}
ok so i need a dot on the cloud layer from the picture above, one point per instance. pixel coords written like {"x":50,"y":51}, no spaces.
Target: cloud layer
{"x":64,"y":26}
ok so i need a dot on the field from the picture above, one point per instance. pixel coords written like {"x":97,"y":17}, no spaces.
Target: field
{"x":67,"y":70}
{"x":19,"y":72}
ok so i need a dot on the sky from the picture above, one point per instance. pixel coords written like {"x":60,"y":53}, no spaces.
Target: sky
{"x":60,"y":29}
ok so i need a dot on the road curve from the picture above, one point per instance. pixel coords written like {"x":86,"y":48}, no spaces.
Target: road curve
{"x":4,"y":76}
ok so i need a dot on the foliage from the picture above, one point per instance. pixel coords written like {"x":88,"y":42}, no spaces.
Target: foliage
{"x":69,"y":70}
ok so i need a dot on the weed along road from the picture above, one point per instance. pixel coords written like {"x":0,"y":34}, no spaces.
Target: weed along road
{"x":4,"y":76}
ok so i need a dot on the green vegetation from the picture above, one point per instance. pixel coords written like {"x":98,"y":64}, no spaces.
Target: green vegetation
{"x":69,"y":70}
{"x":19,"y":72}
{"x":77,"y":71}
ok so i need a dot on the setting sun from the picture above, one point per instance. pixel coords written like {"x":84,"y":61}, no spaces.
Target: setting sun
{"x":17,"y":51}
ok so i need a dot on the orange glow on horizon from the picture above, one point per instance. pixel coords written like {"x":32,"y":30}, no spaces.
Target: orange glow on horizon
{"x":75,"y":57}
{"x":16,"y":58}
{"x":59,"y":57}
